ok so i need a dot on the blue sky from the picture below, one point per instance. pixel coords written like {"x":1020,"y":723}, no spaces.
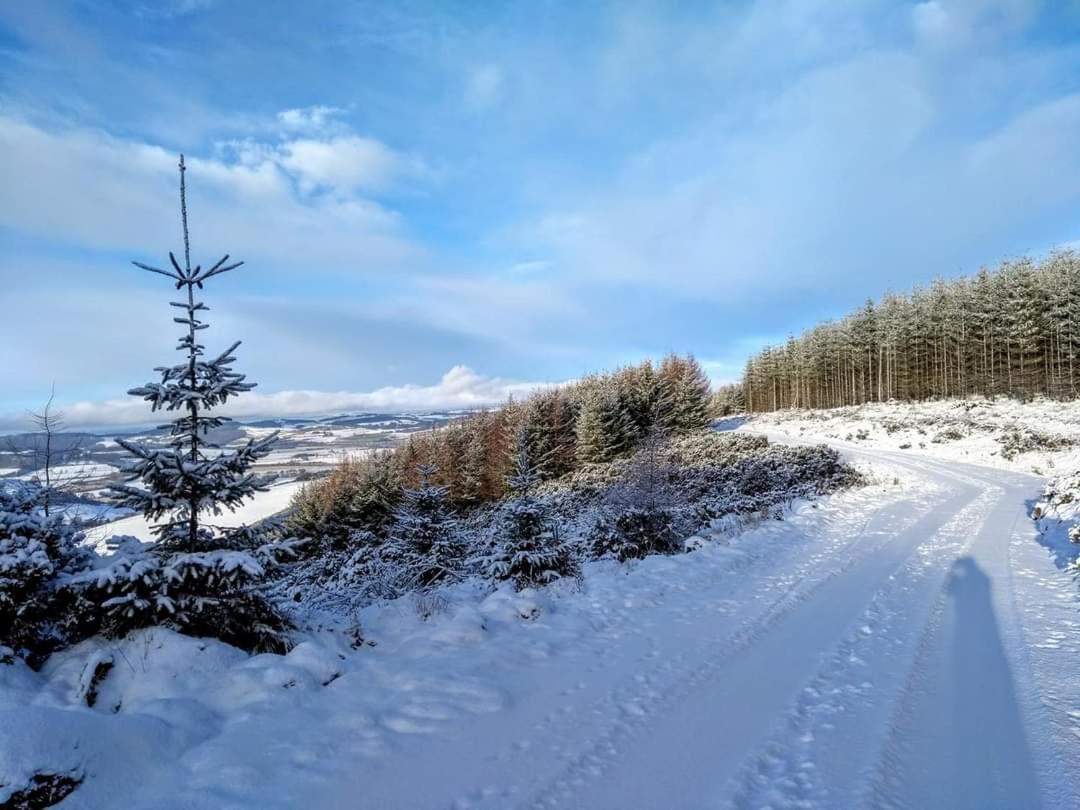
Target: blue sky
{"x":439,"y":202}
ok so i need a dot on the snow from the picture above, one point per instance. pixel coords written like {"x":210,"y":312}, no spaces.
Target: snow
{"x":261,"y":505}
{"x":8,"y":470}
{"x":910,"y":643}
{"x":971,"y":430}
{"x":505,"y":660}
{"x":66,"y":475}
{"x":92,"y":512}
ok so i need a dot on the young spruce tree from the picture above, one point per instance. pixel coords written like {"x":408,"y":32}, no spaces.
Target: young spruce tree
{"x":199,"y":578}
{"x":39,"y":611}
{"x":530,"y":552}
{"x":424,"y":544}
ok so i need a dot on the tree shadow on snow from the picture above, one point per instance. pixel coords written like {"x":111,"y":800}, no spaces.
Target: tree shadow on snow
{"x":1053,"y":535}
{"x":993,"y":764}
{"x":729,"y":423}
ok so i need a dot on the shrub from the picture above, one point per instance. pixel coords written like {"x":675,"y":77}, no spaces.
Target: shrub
{"x":40,"y":609}
{"x":637,"y":515}
{"x":635,"y":533}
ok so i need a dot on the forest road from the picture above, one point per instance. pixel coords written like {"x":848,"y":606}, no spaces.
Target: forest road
{"x":890,"y":666}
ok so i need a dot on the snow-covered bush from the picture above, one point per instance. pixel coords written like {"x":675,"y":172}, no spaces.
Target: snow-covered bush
{"x":949,"y":434}
{"x":424,"y":544}
{"x":634,"y":533}
{"x":628,"y":508}
{"x":636,"y":517}
{"x":1017,"y":440}
{"x":203,"y":593}
{"x":529,"y":549}
{"x":40,"y":609}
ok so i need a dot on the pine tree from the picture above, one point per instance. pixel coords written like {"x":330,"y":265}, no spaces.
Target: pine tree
{"x":474,"y":464}
{"x":199,"y":578}
{"x":1009,"y":331}
{"x":592,"y":440}
{"x":530,"y":551}
{"x":605,"y":428}
{"x":683,"y":391}
{"x":40,"y":609}
{"x":424,"y":543}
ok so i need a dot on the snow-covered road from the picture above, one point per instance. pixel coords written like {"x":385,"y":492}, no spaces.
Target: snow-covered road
{"x":919,"y":652}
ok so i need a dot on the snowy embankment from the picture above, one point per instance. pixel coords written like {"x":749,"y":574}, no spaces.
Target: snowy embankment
{"x":1039,"y":437}
{"x":262,"y":505}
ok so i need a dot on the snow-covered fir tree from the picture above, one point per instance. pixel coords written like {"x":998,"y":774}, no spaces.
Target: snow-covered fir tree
{"x":424,"y":545}
{"x":636,"y":519}
{"x":529,"y":550}
{"x":199,"y":578}
{"x":40,"y":608}
{"x":474,"y":461}
{"x":356,"y":500}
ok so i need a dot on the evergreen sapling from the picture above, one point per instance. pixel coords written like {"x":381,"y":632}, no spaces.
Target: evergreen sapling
{"x":424,"y":545}
{"x":41,"y":609}
{"x":530,"y":551}
{"x":199,"y":578}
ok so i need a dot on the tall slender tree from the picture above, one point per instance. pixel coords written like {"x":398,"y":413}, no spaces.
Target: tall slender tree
{"x":199,"y":577}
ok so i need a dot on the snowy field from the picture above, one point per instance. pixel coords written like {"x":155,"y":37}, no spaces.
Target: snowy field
{"x":68,"y":475}
{"x":908,"y":644}
{"x":305,"y":447}
{"x":1040,"y":437}
{"x":264,"y":504}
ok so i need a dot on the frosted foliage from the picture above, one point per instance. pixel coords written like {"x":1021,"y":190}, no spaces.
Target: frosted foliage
{"x":197,"y":577}
{"x":38,"y":554}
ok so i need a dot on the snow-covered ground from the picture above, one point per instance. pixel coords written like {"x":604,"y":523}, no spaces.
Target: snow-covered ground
{"x":1039,"y":437}
{"x":262,"y":505}
{"x":908,"y":644}
{"x":68,"y":476}
{"x":880,"y":647}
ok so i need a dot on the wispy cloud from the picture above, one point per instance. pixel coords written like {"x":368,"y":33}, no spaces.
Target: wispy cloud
{"x":459,"y":388}
{"x":315,"y":118}
{"x":532,"y":193}
{"x":86,"y":188}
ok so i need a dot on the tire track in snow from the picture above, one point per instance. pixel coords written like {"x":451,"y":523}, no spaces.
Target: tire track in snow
{"x":656,"y":722}
{"x":808,"y":762}
{"x":969,"y":730}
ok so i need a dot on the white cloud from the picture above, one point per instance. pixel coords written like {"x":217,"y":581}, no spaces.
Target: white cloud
{"x":459,"y":388}
{"x":349,"y":163}
{"x":89,"y":188}
{"x":841,"y":180}
{"x":308,"y":119}
{"x":484,"y":87}
{"x":931,"y":21}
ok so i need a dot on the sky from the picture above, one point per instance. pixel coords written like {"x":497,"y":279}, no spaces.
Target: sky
{"x":442,"y":203}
